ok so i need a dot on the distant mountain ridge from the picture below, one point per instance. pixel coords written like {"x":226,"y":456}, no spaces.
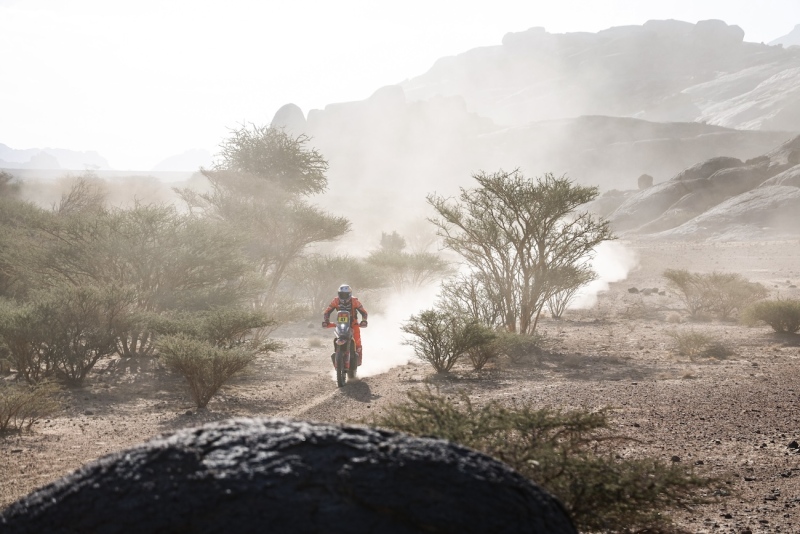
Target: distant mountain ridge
{"x":56,"y":159}
{"x":664,"y":70}
{"x":50,"y":158}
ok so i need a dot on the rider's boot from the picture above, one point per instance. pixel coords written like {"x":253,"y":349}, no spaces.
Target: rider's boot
{"x":333,"y":360}
{"x":358,"y":351}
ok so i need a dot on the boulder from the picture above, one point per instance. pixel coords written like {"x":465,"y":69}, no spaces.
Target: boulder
{"x":717,"y":34}
{"x":277,"y":475}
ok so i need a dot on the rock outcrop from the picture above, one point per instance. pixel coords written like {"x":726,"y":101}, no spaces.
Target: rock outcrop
{"x":291,"y":118}
{"x":273,"y":475}
{"x":790,"y":39}
{"x":721,"y":196}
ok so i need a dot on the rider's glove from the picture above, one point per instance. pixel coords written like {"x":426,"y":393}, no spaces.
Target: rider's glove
{"x":362,"y":324}
{"x":325,"y":324}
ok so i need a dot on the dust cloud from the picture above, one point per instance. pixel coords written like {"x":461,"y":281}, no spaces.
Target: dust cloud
{"x":383,"y":340}
{"x":119,"y":192}
{"x":612,"y":262}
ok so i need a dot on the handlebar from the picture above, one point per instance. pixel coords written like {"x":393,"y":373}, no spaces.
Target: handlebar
{"x":327,"y":324}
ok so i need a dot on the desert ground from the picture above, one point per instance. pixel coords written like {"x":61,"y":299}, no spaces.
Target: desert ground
{"x":734,"y":416}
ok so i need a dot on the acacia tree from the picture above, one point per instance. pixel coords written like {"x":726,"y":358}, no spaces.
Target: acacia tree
{"x":259,"y":186}
{"x":275,"y":156}
{"x":521,"y":237}
{"x":467,"y":296}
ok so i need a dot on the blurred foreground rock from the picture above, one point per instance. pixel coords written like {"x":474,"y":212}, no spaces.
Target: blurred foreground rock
{"x":275,"y":475}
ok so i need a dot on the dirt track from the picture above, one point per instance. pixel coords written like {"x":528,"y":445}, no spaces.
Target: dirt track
{"x":732,"y":416}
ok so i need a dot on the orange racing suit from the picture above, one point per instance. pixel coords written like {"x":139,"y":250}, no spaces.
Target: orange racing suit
{"x":353,"y":306}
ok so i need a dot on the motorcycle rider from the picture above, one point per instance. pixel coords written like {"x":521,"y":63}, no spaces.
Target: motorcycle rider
{"x":345,"y":301}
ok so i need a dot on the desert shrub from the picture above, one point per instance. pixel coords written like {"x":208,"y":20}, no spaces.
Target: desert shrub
{"x":673,"y":317}
{"x":717,"y":350}
{"x":62,"y":332}
{"x":482,"y":353}
{"x":21,"y":405}
{"x":516,"y":347}
{"x":205,"y":367}
{"x":557,"y":304}
{"x":5,"y":362}
{"x":719,"y":294}
{"x":729,"y":293}
{"x":221,"y":327}
{"x":567,"y":282}
{"x":782,"y":315}
{"x":519,"y":347}
{"x":689,"y":288}
{"x":569,"y":453}
{"x":441,"y":338}
{"x":21,"y":335}
{"x":691,"y":343}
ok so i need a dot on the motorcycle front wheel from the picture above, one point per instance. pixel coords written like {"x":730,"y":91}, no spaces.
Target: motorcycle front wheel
{"x":341,"y":372}
{"x":353,"y":362}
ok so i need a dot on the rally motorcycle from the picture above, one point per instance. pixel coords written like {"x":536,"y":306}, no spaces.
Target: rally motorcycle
{"x":345,"y":346}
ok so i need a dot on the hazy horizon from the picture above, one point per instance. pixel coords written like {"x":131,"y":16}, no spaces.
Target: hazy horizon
{"x":142,"y":83}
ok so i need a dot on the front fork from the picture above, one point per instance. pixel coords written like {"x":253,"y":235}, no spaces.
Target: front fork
{"x":347,"y":354}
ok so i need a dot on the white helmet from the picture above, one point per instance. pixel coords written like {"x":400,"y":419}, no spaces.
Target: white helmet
{"x":345,"y":292}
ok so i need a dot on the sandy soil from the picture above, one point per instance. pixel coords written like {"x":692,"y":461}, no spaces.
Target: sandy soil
{"x":732,"y":416}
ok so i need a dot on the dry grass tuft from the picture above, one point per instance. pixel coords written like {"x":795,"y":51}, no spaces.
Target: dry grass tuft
{"x":690,"y":343}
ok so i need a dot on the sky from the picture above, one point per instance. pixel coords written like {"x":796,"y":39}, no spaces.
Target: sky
{"x":141,"y":81}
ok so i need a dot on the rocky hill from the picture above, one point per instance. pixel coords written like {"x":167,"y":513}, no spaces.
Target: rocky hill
{"x":721,"y":198}
{"x":387,"y":151}
{"x":664,"y":70}
{"x":790,"y":39}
